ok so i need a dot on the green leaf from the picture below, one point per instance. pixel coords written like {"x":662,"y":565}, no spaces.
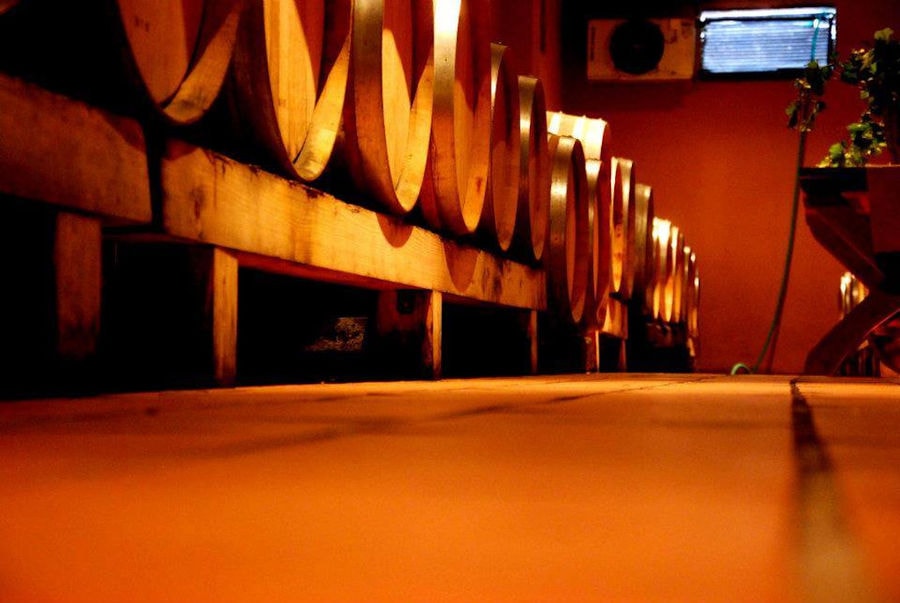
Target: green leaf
{"x":884,"y":35}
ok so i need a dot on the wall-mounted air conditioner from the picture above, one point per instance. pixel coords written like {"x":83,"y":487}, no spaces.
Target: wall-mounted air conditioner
{"x":641,"y":49}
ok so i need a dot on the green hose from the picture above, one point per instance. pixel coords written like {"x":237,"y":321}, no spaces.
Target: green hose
{"x":775,"y":327}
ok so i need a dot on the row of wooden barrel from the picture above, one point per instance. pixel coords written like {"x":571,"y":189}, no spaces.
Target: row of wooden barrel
{"x":605,"y":238}
{"x":407,"y":99}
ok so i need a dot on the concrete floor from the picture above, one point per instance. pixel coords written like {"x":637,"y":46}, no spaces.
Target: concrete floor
{"x":564,"y":488}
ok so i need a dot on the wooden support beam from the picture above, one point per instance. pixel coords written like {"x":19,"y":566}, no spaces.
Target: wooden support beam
{"x":63,"y":152}
{"x":211,"y":199}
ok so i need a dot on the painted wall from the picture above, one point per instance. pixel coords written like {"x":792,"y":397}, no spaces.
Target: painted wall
{"x":532,"y":29}
{"x":722,"y":162}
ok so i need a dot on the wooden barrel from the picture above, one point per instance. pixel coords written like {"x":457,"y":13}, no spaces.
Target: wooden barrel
{"x":644,"y":212}
{"x":691,"y":298}
{"x":852,"y":292}
{"x":661,"y":268}
{"x":387,"y":119}
{"x":278,"y":64}
{"x":454,"y":192}
{"x":622,"y":179}
{"x":169,"y":57}
{"x":569,"y":253}
{"x":594,"y":136}
{"x":533,"y":213}
{"x":498,"y":219}
{"x":599,"y":235}
{"x":182,"y":50}
{"x":675,"y":283}
{"x":593,"y":133}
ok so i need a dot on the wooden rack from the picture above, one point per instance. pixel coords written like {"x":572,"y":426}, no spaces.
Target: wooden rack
{"x":94,"y":172}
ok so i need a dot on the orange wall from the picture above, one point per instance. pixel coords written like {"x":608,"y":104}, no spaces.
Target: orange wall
{"x":532,"y":29}
{"x":722,"y":164}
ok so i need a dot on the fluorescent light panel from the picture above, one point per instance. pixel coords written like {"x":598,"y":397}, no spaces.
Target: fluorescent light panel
{"x":765,"y":40}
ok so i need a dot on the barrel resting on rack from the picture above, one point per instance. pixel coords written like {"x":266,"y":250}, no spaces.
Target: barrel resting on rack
{"x":95,"y":184}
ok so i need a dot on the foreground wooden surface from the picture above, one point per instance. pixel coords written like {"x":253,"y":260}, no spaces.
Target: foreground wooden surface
{"x":567,"y":488}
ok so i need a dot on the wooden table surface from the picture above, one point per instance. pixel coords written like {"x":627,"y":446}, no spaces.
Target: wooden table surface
{"x":554,"y":488}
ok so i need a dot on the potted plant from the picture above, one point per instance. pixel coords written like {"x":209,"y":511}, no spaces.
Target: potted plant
{"x":854,"y":211}
{"x":875,"y":71}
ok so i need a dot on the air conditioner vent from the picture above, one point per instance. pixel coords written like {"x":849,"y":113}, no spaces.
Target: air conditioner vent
{"x":636,"y":47}
{"x":641,"y":49}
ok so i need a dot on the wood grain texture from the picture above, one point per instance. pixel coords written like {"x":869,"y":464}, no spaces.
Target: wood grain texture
{"x":181,"y":50}
{"x":460,"y":151}
{"x":211,"y":199}
{"x":533,"y":213}
{"x":663,"y":264}
{"x":594,"y":135}
{"x":222,"y":294}
{"x":644,"y":211}
{"x":691,"y":299}
{"x":498,"y":220}
{"x":388,"y":116}
{"x":671,"y":307}
{"x":277,"y":66}
{"x":569,"y":259}
{"x":77,"y":266}
{"x":63,"y":152}
{"x":623,"y":217}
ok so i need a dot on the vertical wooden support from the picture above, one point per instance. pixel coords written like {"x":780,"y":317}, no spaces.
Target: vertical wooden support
{"x":431,"y":346}
{"x":170,"y":315}
{"x":533,"y":341}
{"x":78,"y":274}
{"x":51,"y":268}
{"x":409,"y":324}
{"x":592,"y":351}
{"x":613,"y":355}
{"x":622,"y":365}
{"x":222,"y":296}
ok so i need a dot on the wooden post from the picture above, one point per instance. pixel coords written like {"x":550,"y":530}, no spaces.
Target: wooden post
{"x":592,"y":351}
{"x":409,"y":326}
{"x":170,"y":315}
{"x":78,"y":273}
{"x":215,"y":271}
{"x":222,"y":296}
{"x":51,"y":267}
{"x":533,"y":341}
